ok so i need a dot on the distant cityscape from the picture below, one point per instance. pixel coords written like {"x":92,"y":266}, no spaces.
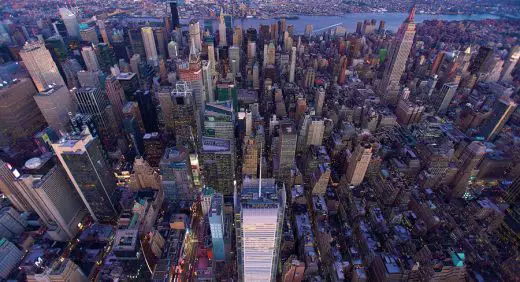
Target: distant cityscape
{"x":353,"y":140}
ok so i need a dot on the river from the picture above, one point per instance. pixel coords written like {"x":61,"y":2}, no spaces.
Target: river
{"x":349,"y":21}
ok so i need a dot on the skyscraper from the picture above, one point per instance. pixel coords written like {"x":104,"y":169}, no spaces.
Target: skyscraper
{"x":116,"y":96}
{"x":358,"y":164}
{"x":319,"y":99}
{"x":216,"y":224}
{"x":56,"y":202}
{"x":286,"y":151}
{"x":174,"y":14}
{"x":222,"y":30}
{"x":191,"y":73}
{"x":176,"y":174}
{"x":144,"y":176}
{"x":20,"y":116}
{"x":443,"y":99}
{"x":93,"y":101}
{"x":466,"y":164}
{"x":55,"y":104}
{"x":71,"y":22}
{"x":293,"y":64}
{"x":194,"y":30}
{"x":82,"y":158}
{"x":41,"y":66}
{"x":510,"y":64}
{"x":260,"y":210}
{"x":315,"y":131}
{"x":89,"y":34}
{"x":502,"y":110}
{"x":149,"y":46}
{"x":396,"y":62}
{"x":217,"y":161}
{"x":185,"y":120}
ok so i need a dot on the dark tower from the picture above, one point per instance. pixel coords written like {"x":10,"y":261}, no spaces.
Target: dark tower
{"x":175,"y":14}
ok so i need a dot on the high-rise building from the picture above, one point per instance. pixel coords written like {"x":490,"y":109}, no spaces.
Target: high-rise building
{"x":357,"y":164}
{"x":250,"y":157}
{"x":194,"y":30}
{"x":443,"y":99}
{"x":13,"y":192}
{"x":259,"y":230}
{"x":211,"y":52}
{"x":71,"y":22}
{"x":308,"y":30}
{"x":102,"y":29}
{"x":153,"y":148}
{"x":144,"y":176}
{"x":466,"y":164}
{"x":149,"y":46}
{"x":234,"y":58}
{"x":59,"y":270}
{"x":315,"y":131}
{"x":20,"y":116}
{"x":216,"y":224}
{"x":398,"y":54}
{"x":293,"y":64}
{"x":222,"y":30}
{"x":218,"y":164}
{"x":286,"y":151}
{"x":55,"y":104}
{"x":11,"y":223}
{"x":176,"y":175}
{"x":57,"y":203}
{"x":510,"y":64}
{"x":173,"y":49}
{"x":10,"y":257}
{"x":93,"y":101}
{"x":136,"y":42}
{"x":116,"y":96}
{"x":191,"y":73}
{"x":256,"y":76}
{"x":184,"y":116}
{"x":319,"y":99}
{"x":82,"y":158}
{"x":513,"y":191}
{"x":89,"y":34}
{"x":41,"y":66}
{"x":174,"y":14}
{"x":502,"y":110}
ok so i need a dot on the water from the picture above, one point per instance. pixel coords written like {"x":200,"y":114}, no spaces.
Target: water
{"x":349,"y":21}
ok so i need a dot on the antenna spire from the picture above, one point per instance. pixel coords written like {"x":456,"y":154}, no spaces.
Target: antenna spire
{"x":260,"y":177}
{"x":411,"y":15}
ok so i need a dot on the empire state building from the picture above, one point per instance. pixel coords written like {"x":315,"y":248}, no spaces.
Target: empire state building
{"x":397,"y":56}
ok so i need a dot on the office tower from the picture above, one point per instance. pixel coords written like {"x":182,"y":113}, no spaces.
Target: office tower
{"x":56,"y":45}
{"x":131,"y":110}
{"x":55,"y":104}
{"x":480,"y":62}
{"x":89,"y":34}
{"x":205,"y":199}
{"x":234,"y":58}
{"x":502,"y":110}
{"x":260,"y":211}
{"x":134,"y":134}
{"x":219,"y":120}
{"x":217,"y":161}
{"x":442,"y":100}
{"x":271,"y":54}
{"x":194,"y":30}
{"x":396,"y":62}
{"x":161,"y":38}
{"x":174,"y":14}
{"x":310,"y":75}
{"x":149,"y":46}
{"x":147,"y":109}
{"x":137,"y":42}
{"x":211,"y":53}
{"x":315,"y":131}
{"x":10,"y":257}
{"x":343,"y":61}
{"x":41,"y":66}
{"x":319,"y":99}
{"x":250,"y":157}
{"x":70,"y":69}
{"x":90,"y":78}
{"x":357,"y":164}
{"x":130,"y":83}
{"x":293,"y":64}
{"x":90,"y":58}
{"x":466,"y":164}
{"x":164,"y":96}
{"x":191,"y":73}
{"x":286,"y":151}
{"x":11,"y":223}
{"x":222,"y":30}
{"x":116,"y":96}
{"x":176,"y":174}
{"x":20,"y":116}
{"x":59,"y":270}
{"x":70,"y":21}
{"x":184,"y":116}
{"x":216,"y":224}
{"x":144,"y":176}
{"x":251,"y":51}
{"x":93,"y":101}
{"x":153,"y":148}
{"x":82,"y":158}
{"x":102,"y":29}
{"x":173,"y":50}
{"x":56,"y":201}
{"x":510,"y":64}
{"x":8,"y":186}
{"x":308,"y":30}
{"x":237,"y":36}
{"x":256,"y":76}
{"x":209,"y":80}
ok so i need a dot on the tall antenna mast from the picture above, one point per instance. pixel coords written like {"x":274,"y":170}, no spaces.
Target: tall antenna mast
{"x":260,"y":179}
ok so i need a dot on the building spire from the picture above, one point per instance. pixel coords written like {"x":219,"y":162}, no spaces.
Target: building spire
{"x":193,"y":52}
{"x":411,"y":15}
{"x":260,"y":175}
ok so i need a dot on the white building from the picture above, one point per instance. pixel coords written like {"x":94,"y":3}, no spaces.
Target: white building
{"x":41,"y":67}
